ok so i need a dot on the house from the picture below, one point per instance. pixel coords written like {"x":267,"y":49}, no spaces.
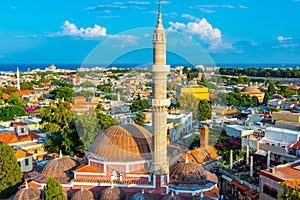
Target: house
{"x":24,"y":160}
{"x":236,"y":130}
{"x":22,"y":139}
{"x":277,"y":140}
{"x":269,"y":178}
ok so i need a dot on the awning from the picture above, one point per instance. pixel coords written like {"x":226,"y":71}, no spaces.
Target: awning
{"x":261,"y":152}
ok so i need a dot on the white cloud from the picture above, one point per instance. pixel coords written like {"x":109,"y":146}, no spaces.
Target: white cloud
{"x":203,"y":30}
{"x":242,"y":6}
{"x":282,"y":39}
{"x":92,"y":33}
{"x":139,"y":2}
{"x":188,"y":16}
{"x":70,"y":29}
{"x":215,"y":6}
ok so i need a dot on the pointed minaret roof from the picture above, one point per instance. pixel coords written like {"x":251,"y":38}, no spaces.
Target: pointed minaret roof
{"x":159,"y":19}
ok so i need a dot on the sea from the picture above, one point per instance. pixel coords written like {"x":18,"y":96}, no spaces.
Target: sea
{"x":26,"y":67}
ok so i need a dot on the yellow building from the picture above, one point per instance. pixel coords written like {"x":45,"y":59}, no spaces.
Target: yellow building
{"x":286,"y":116}
{"x":200,"y":93}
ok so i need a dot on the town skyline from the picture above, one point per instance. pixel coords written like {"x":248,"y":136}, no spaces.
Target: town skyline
{"x":230,"y":31}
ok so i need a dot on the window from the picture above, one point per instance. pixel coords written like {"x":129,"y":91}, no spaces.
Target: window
{"x":273,"y":193}
{"x":266,"y":189}
{"x":270,"y":191}
{"x":22,"y":130}
{"x":26,"y":162}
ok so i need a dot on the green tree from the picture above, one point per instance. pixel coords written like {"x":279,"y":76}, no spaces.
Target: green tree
{"x":16,"y":100}
{"x":290,"y":190}
{"x":65,"y":93}
{"x":26,"y":86}
{"x":103,"y":88}
{"x":60,"y":129}
{"x":204,"y":110}
{"x":189,"y":103}
{"x":271,"y":88}
{"x":254,"y":101}
{"x":87,"y":127}
{"x":85,"y":93}
{"x":139,"y":105}
{"x":10,"y":90}
{"x":8,"y":112}
{"x":87,"y":84}
{"x":140,"y":119}
{"x":266,"y":98}
{"x":105,"y":121}
{"x":53,"y":190}
{"x":11,"y":175}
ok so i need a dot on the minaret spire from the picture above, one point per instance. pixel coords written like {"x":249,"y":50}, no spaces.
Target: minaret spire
{"x":160,"y":102}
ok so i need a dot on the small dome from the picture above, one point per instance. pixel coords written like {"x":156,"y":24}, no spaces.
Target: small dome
{"x":142,"y":196}
{"x":251,"y":90}
{"x":187,"y":173}
{"x":27,"y":194}
{"x":276,"y":96}
{"x":122,"y":143}
{"x":112,"y":193}
{"x":83,"y":195}
{"x":60,"y":169}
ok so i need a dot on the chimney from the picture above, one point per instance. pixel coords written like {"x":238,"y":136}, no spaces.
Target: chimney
{"x":204,"y":136}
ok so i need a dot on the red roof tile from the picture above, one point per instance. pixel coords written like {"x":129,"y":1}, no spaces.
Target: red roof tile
{"x":10,"y":138}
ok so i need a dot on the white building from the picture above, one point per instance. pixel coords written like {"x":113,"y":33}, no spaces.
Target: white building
{"x":277,"y":141}
{"x":182,"y":125}
{"x":238,"y":130}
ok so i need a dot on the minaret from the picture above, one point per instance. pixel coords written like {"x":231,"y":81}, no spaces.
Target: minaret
{"x":18,"y":79}
{"x":159,"y":71}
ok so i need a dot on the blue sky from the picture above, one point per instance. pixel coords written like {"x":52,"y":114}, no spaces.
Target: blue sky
{"x":230,"y":31}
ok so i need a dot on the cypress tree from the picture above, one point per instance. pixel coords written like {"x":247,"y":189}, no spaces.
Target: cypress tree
{"x":53,"y":190}
{"x":11,"y":175}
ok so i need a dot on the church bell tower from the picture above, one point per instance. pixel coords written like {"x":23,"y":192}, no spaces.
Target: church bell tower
{"x":159,"y":71}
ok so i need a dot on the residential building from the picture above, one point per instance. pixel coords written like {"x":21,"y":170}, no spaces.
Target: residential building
{"x":269,"y":178}
{"x":236,"y":130}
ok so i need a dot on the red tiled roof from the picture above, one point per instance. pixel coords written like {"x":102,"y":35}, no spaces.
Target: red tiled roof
{"x":19,"y":123}
{"x":81,"y":180}
{"x":242,"y":186}
{"x":31,"y":184}
{"x":282,"y":173}
{"x":21,"y":154}
{"x":213,"y":193}
{"x":250,"y":194}
{"x":88,"y":169}
{"x":10,"y":138}
{"x":24,"y":92}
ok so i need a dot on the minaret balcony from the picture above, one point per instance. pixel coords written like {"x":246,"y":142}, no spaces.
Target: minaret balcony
{"x":159,"y":68}
{"x":160,"y":103}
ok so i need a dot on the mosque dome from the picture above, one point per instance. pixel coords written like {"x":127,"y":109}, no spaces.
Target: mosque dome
{"x":142,"y":196}
{"x":250,"y":90}
{"x":276,"y":96}
{"x":122,"y":143}
{"x":27,"y":194}
{"x":112,"y":193}
{"x":83,"y":195}
{"x":60,"y":168}
{"x":187,"y":173}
